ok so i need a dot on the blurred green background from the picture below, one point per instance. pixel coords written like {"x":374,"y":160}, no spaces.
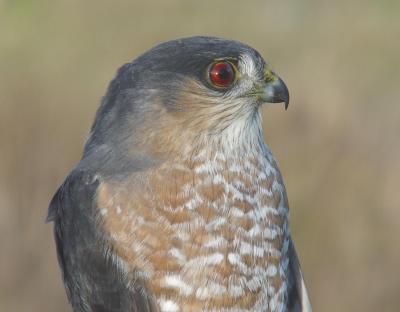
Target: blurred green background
{"x":338,"y":145}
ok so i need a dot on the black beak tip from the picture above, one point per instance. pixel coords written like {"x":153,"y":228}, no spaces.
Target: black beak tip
{"x":285,"y":94}
{"x":282,"y":93}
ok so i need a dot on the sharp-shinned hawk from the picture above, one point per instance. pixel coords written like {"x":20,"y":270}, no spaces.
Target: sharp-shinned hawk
{"x":177,"y":203}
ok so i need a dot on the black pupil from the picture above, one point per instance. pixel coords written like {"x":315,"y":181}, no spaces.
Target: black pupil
{"x":224,"y":73}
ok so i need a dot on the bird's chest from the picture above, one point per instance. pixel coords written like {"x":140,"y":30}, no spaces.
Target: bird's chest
{"x":206,"y":234}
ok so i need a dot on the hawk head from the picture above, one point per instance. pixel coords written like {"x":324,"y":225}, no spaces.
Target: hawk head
{"x":182,"y":94}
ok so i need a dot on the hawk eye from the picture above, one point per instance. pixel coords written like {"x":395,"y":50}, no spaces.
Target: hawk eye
{"x":221,"y":74}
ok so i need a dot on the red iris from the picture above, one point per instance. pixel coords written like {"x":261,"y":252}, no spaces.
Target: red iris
{"x":222,"y":74}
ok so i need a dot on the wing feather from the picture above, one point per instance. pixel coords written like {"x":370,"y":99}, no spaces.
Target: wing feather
{"x":298,"y":296}
{"x":93,"y":281}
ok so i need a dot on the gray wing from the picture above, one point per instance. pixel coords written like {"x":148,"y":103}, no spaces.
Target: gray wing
{"x":298,"y":296}
{"x":93,"y":282}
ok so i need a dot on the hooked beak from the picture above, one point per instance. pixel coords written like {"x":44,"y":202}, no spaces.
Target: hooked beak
{"x":274,"y":90}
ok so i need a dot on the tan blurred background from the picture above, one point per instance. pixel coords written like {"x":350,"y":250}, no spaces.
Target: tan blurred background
{"x":338,"y":144}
